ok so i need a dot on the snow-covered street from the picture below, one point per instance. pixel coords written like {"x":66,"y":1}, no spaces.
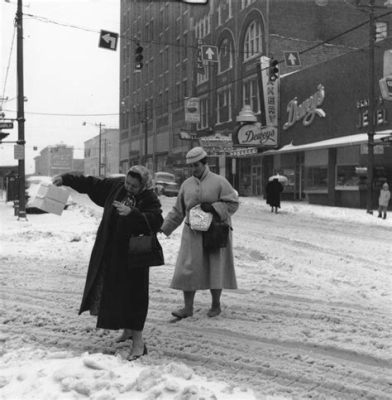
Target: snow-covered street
{"x":312,"y":317}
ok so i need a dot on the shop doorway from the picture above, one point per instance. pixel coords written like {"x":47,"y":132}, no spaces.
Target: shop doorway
{"x":256,"y":179}
{"x":300,"y":177}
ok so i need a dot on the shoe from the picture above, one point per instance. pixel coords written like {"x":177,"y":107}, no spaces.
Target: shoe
{"x":133,"y":358}
{"x":181,"y":313}
{"x":214,"y":311}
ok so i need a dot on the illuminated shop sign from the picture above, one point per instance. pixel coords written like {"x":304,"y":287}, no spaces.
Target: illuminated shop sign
{"x":307,"y":110}
{"x":255,"y":135}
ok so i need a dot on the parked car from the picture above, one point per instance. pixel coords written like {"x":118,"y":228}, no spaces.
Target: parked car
{"x":32,"y":184}
{"x":165,"y":183}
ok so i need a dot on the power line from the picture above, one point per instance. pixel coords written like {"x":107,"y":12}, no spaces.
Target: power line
{"x":64,"y":114}
{"x":176,"y":102}
{"x":8,"y":67}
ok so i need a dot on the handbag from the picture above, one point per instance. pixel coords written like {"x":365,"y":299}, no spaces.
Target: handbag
{"x":145,"y":250}
{"x":217,"y":235}
{"x":199,"y":220}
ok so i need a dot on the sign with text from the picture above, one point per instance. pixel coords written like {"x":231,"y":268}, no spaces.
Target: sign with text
{"x":307,"y":110}
{"x":192,"y":110}
{"x":19,"y":152}
{"x":6,"y":124}
{"x":270,"y":93}
{"x":255,"y":135}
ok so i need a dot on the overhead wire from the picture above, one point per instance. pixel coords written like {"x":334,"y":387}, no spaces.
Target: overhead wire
{"x":176,"y":102}
{"x":2,"y":100}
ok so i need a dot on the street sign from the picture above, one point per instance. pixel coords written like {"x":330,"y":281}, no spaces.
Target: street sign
{"x":6,"y":125}
{"x":386,"y":88}
{"x":19,"y":152}
{"x":108,"y":40}
{"x":192,"y":109}
{"x":292,"y":58}
{"x":209,"y":53}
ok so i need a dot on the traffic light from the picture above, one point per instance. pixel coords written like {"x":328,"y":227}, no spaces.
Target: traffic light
{"x":273,"y":70}
{"x":3,"y":135}
{"x":138,"y":57}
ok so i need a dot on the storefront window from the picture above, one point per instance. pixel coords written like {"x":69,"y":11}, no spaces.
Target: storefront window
{"x":346,"y":176}
{"x":316,"y":178}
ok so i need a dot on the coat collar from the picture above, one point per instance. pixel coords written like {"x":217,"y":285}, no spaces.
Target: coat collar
{"x":205,"y":173}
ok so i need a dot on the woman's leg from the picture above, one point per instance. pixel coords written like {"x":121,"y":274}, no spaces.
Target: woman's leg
{"x":215,"y":303}
{"x":138,"y":348}
{"x":126,"y":334}
{"x":187,"y":311}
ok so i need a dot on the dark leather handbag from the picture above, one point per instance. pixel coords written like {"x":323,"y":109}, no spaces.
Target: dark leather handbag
{"x":217,"y":235}
{"x":145,"y":250}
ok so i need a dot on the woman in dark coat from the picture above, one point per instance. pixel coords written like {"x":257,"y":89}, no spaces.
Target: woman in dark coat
{"x":115,"y":291}
{"x":273,"y":190}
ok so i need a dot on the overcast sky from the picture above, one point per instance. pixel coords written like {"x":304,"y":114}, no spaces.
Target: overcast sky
{"x":65,"y":72}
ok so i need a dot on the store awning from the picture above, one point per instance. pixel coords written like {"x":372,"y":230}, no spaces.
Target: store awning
{"x":341,"y":141}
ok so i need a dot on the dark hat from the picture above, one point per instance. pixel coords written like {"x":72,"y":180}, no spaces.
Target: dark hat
{"x":196,"y":154}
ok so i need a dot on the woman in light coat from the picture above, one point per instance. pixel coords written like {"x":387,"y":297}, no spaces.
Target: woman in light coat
{"x":197,"y":268}
{"x":383,"y":200}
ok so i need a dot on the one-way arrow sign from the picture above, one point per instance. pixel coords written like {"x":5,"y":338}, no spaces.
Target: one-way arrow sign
{"x":209,"y":53}
{"x":292,"y":59}
{"x":108,"y":40}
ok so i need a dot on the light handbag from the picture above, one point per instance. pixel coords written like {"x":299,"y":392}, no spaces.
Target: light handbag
{"x":145,"y":250}
{"x":199,"y":220}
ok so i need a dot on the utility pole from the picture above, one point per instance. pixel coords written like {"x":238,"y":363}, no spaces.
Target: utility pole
{"x":20,"y":112}
{"x":370,"y":163}
{"x":145,"y":134}
{"x":99,"y":148}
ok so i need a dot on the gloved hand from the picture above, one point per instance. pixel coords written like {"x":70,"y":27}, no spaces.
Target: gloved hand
{"x":207,"y":207}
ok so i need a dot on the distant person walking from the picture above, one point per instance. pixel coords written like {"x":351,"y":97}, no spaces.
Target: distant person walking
{"x":383,"y":201}
{"x":117,"y":290}
{"x":273,"y":190}
{"x":198,"y":268}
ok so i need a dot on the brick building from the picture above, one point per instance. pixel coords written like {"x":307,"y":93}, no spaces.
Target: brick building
{"x":58,"y":159}
{"x":152,"y":101}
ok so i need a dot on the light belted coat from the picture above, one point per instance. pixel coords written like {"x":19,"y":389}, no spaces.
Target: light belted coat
{"x":197,"y":268}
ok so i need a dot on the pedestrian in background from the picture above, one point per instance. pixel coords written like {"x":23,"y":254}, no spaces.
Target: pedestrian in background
{"x":383,"y":201}
{"x":273,"y":190}
{"x":198,"y":268}
{"x":115,"y":291}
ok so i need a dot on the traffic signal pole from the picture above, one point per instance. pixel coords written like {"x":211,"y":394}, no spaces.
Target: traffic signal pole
{"x":370,"y":163}
{"x":20,"y":111}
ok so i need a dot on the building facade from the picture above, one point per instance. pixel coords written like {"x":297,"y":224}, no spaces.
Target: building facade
{"x":153,"y":115}
{"x":323,"y":143}
{"x":106,"y":148}
{"x":54,"y":160}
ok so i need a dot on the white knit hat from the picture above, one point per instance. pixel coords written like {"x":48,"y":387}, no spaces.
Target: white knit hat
{"x":196,"y":154}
